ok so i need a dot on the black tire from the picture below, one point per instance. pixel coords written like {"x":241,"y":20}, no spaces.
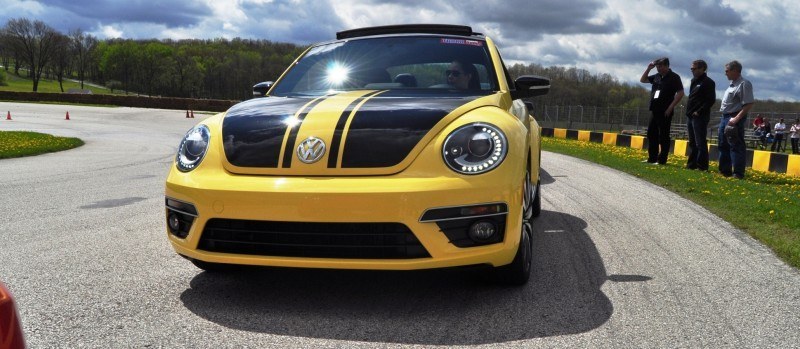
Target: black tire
{"x":519,"y":271}
{"x":537,"y":200}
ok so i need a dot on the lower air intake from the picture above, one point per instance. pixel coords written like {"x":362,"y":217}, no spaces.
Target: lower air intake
{"x":314,"y":240}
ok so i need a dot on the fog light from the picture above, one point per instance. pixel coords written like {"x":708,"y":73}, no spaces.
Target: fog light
{"x":482,"y":230}
{"x":174,"y":222}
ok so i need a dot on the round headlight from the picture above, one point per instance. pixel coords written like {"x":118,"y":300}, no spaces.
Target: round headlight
{"x":475,"y":148}
{"x":193,"y":148}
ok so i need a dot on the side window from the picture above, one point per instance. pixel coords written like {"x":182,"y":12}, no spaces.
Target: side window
{"x":483,"y":75}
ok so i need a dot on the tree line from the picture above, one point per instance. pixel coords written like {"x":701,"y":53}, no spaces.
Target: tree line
{"x":227,"y":69}
{"x":218,"y":68}
{"x":574,"y":86}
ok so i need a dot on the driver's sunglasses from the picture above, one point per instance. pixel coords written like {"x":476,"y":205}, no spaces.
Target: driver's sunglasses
{"x":454,"y":73}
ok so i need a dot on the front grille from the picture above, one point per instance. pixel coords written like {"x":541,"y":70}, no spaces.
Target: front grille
{"x":315,"y":240}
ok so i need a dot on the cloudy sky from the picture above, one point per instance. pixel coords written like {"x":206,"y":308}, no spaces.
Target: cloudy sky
{"x":617,"y":37}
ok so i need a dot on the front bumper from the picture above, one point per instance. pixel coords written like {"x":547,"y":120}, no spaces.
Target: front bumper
{"x":218,"y":195}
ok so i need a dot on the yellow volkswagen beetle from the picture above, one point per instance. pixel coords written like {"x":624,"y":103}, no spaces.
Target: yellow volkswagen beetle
{"x":395,"y":147}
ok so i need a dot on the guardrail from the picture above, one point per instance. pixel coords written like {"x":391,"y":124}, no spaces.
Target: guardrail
{"x":593,"y":118}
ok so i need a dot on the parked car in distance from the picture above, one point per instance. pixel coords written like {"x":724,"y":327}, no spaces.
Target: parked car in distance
{"x":394,"y":148}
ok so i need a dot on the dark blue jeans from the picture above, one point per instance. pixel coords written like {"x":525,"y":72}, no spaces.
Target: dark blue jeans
{"x":697,"y":129}
{"x":658,"y":141}
{"x":732,"y":157}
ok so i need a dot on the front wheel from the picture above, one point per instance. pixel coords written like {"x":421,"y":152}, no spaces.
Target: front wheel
{"x":537,"y":200}
{"x":519,"y":271}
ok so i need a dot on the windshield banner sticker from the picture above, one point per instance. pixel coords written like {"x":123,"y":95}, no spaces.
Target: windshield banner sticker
{"x":461,"y":42}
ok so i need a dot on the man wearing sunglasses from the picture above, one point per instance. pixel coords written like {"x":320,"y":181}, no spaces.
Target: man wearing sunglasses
{"x":462,"y":76}
{"x":702,"y":95}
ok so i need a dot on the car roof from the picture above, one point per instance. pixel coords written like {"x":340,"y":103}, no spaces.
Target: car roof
{"x":445,"y":29}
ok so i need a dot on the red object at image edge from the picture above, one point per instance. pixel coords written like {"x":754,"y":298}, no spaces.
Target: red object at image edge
{"x":10,"y":327}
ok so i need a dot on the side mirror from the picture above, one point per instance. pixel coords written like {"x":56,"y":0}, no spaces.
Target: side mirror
{"x":260,"y":89}
{"x":530,"y":86}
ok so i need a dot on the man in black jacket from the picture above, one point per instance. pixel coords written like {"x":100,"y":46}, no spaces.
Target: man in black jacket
{"x":665,"y":94}
{"x":702,"y":96}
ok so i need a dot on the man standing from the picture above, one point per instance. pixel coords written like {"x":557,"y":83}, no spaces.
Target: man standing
{"x":737,"y":101}
{"x":795,"y":136}
{"x":665,"y":94}
{"x":698,"y":112}
{"x":779,"y":128}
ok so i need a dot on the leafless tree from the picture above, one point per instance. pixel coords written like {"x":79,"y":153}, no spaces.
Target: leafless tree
{"x":34,"y":42}
{"x":82,"y":45}
{"x":5,"y":53}
{"x":61,"y":61}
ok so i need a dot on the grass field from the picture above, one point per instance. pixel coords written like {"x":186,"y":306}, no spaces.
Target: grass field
{"x":25,"y":84}
{"x":765,"y":205}
{"x":15,"y":144}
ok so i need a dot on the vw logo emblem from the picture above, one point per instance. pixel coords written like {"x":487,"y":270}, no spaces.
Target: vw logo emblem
{"x":311,"y":150}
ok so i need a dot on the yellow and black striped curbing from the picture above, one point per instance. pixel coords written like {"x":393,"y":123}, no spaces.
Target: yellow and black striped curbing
{"x":760,"y":160}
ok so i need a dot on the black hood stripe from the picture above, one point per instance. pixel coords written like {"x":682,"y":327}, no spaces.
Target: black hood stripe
{"x":287,"y":153}
{"x":253,"y":131}
{"x":336,"y":141}
{"x":385,"y":129}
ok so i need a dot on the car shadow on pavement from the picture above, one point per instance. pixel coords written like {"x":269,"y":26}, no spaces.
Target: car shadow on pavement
{"x":545,"y":177}
{"x":432,"y":307}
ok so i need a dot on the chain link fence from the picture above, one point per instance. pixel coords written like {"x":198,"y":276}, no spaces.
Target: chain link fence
{"x":632,"y":120}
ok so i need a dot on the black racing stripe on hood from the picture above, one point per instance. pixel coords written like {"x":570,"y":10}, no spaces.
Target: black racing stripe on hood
{"x":287,"y":154}
{"x":336,"y":140}
{"x":253,"y":131}
{"x":385,"y":129}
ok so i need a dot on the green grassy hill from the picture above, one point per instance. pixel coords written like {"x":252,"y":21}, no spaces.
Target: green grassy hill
{"x":25,"y":84}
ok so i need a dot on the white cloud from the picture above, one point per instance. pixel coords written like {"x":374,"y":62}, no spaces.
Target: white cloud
{"x":108,"y":32}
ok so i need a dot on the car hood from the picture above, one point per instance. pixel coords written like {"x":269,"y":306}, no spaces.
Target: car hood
{"x":349,"y":133}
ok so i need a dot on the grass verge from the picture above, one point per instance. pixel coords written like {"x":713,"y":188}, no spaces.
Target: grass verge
{"x":14,"y":144}
{"x":23,"y":83}
{"x":765,"y":205}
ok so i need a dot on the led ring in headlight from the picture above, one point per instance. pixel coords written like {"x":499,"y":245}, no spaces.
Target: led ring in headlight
{"x":475,"y":148}
{"x":193,"y":148}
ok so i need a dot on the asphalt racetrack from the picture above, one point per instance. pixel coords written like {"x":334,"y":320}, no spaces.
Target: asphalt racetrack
{"x":619,"y":263}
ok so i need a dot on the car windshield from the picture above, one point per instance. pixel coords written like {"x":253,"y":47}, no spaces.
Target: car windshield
{"x":424,"y":64}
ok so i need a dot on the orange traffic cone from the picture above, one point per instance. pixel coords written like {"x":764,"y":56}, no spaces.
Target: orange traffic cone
{"x":8,"y":116}
{"x":67,"y":118}
{"x":192,"y":114}
{"x":187,"y":114}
